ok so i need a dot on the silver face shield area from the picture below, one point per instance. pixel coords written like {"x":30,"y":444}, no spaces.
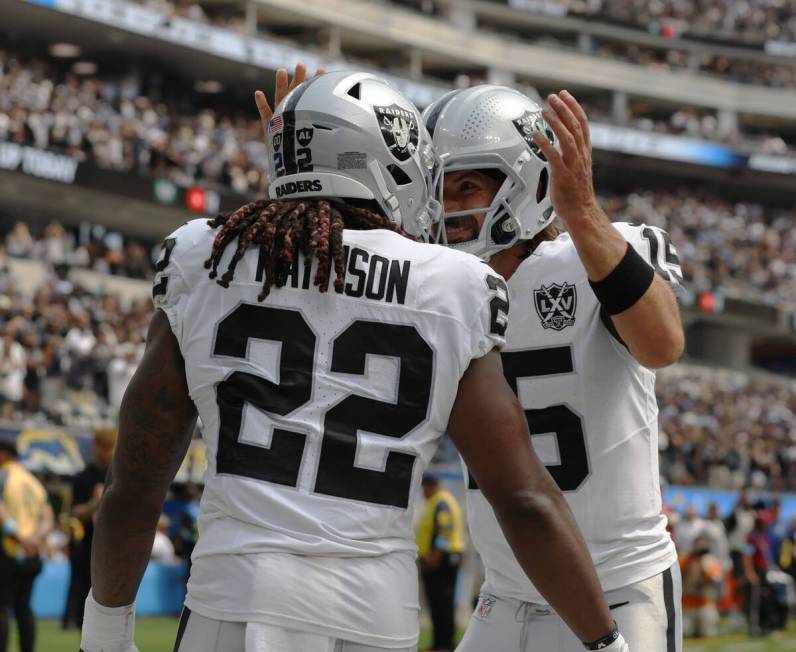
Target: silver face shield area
{"x":499,"y":209}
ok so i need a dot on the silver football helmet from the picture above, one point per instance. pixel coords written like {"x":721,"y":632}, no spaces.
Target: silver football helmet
{"x":490,"y":127}
{"x":351,"y":135}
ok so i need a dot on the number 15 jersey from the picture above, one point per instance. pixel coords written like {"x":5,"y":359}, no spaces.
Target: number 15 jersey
{"x":593,"y":416}
{"x":320,"y":412}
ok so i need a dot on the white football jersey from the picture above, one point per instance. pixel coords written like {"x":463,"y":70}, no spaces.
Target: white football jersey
{"x":320,"y":413}
{"x":593,"y":416}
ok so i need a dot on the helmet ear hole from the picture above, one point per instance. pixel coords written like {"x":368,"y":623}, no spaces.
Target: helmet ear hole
{"x":541,"y":187}
{"x":499,"y":233}
{"x":400,"y":177}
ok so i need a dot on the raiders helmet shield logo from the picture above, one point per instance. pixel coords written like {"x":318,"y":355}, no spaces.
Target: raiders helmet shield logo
{"x":556,"y":304}
{"x":399,"y":130}
{"x":277,"y":141}
{"x":527,"y":124}
{"x":304,"y":136}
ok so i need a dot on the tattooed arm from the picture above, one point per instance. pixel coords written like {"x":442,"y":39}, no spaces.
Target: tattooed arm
{"x":155,"y":425}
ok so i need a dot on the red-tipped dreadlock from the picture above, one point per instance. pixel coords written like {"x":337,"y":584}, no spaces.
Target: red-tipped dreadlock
{"x":281,"y":227}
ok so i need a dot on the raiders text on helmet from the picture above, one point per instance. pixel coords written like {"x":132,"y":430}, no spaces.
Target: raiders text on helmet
{"x":351,"y":135}
{"x":492,"y":127}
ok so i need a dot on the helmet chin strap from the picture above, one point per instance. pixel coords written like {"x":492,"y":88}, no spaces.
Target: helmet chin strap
{"x":390,"y":200}
{"x":435,"y":208}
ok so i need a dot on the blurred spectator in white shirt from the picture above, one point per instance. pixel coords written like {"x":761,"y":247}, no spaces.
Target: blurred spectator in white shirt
{"x":13,"y":367}
{"x":120,"y":372}
{"x":688,"y":529}
{"x":162,"y":547}
{"x":715,"y":534}
{"x":19,"y":243}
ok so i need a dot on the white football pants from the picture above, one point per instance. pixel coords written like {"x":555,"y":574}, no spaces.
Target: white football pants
{"x":648,"y":613}
{"x":200,"y":634}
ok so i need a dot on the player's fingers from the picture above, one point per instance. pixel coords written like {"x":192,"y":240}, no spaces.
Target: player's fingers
{"x":554,"y":158}
{"x":264,"y":109}
{"x":568,"y":119}
{"x":280,"y":86}
{"x":569,"y":148}
{"x":579,"y":113}
{"x":299,"y":75}
{"x":320,"y":71}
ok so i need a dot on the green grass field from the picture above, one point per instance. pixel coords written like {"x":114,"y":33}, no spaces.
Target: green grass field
{"x":157,"y":635}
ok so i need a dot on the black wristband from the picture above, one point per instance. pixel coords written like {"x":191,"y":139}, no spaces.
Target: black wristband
{"x":605,"y":641}
{"x":626,"y":283}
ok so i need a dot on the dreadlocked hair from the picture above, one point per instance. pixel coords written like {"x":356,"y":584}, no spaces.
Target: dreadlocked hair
{"x":283,"y":228}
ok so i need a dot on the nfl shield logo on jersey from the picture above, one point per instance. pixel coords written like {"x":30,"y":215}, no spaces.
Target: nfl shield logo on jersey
{"x":555,"y":304}
{"x":485,"y":604}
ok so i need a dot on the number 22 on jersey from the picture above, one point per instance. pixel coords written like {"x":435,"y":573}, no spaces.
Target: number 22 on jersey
{"x":337,"y":474}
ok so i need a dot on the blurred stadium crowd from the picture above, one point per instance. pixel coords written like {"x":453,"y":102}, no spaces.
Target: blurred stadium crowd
{"x":739,"y":565}
{"x":750,"y":19}
{"x":67,"y":351}
{"x":725,"y":429}
{"x":123,"y":123}
{"x":748,"y":22}
{"x":91,"y":246}
{"x":744,"y":72}
{"x":159,"y":127}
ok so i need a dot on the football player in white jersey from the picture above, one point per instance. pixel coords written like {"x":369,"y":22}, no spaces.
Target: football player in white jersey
{"x":590,"y":318}
{"x":320,"y":409}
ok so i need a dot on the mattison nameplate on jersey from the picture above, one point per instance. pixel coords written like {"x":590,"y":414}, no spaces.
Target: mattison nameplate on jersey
{"x":399,"y":130}
{"x":556,"y":304}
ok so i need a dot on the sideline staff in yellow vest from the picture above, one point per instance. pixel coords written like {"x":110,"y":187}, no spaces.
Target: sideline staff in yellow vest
{"x":25,"y":520}
{"x":440,"y":542}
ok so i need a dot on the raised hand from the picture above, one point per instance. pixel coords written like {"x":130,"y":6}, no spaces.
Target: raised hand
{"x":281,"y":89}
{"x":571,"y":185}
